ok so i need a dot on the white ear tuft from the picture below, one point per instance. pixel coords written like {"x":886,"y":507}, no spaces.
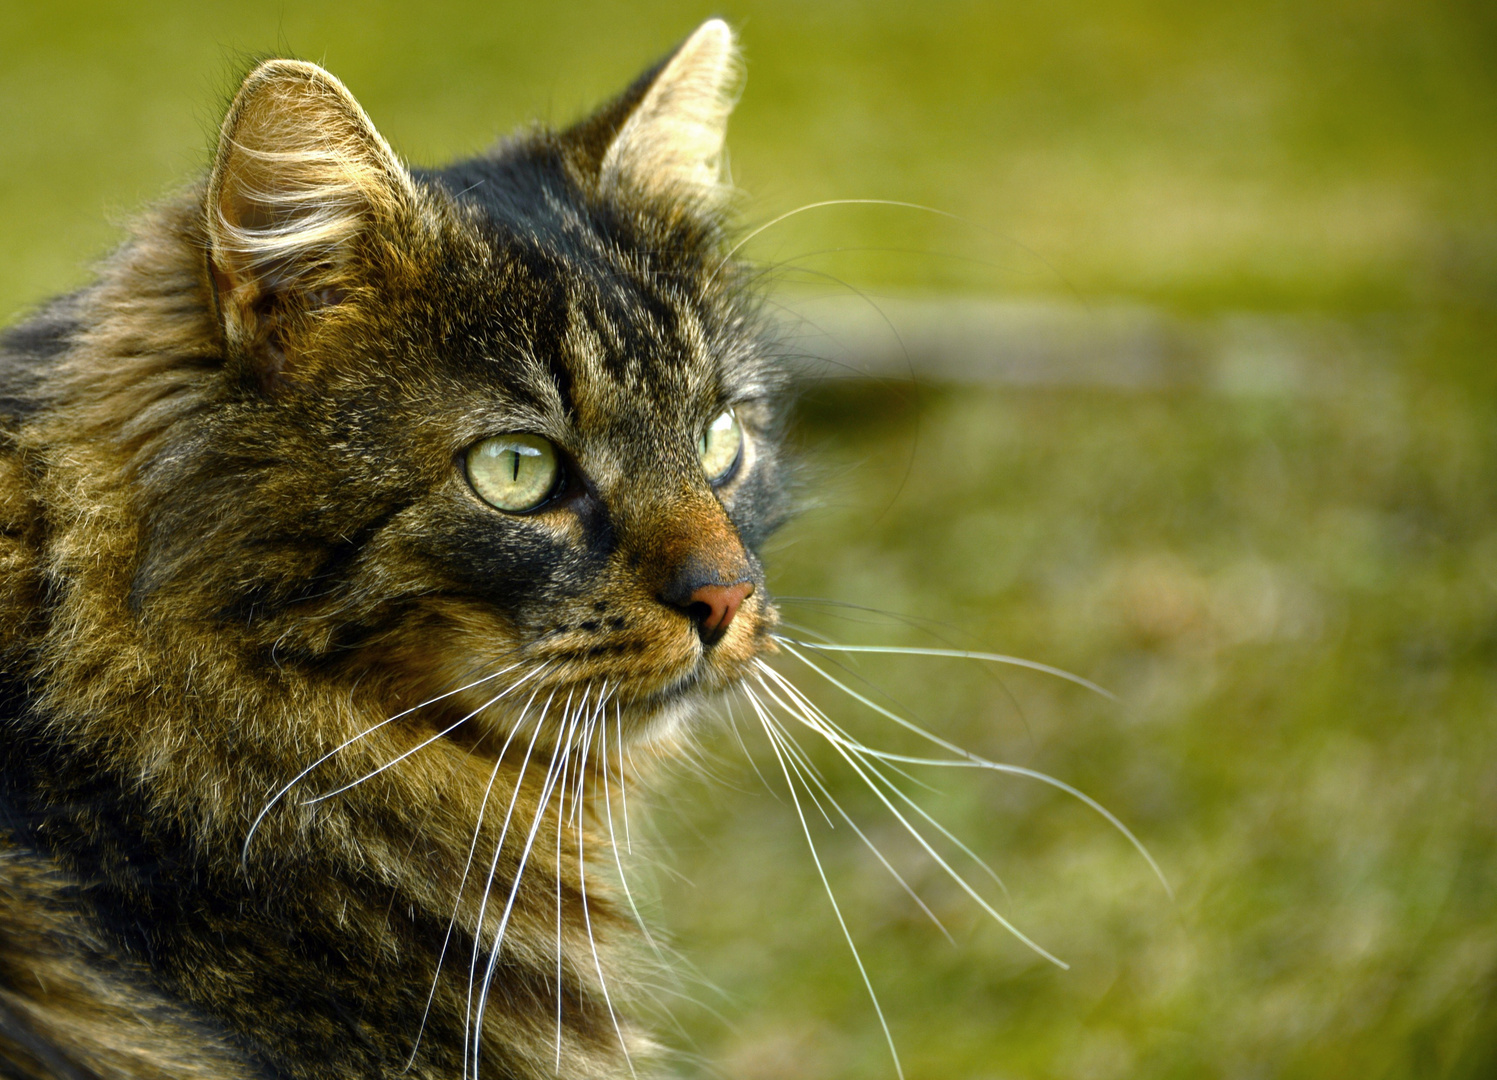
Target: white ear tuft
{"x":672,"y":144}
{"x":300,"y":172}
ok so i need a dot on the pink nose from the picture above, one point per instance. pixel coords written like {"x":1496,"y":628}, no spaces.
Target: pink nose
{"x":713,"y":607}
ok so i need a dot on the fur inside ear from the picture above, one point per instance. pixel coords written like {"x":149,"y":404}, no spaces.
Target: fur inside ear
{"x":671,"y":145}
{"x":300,"y":173}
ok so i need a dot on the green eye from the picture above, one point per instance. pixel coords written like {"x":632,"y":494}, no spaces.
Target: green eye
{"x":513,"y":472}
{"x":719,"y":446}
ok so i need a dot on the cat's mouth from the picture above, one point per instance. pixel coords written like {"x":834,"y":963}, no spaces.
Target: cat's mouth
{"x":645,"y":676}
{"x":715,"y":669}
{"x":699,"y":670}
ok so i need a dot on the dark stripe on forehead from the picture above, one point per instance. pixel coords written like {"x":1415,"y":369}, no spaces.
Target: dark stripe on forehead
{"x":640,"y":331}
{"x":516,"y":323}
{"x":598,"y":271}
{"x":562,"y":376}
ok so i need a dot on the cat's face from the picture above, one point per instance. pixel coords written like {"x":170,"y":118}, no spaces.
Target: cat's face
{"x":522,"y":423}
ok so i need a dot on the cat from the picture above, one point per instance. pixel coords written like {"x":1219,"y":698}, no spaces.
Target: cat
{"x":356,"y":518}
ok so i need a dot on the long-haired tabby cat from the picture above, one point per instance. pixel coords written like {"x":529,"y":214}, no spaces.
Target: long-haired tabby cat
{"x":358,"y":522}
{"x":431,"y":490}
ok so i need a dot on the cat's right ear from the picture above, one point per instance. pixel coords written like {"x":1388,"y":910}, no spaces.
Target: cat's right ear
{"x":301,"y":179}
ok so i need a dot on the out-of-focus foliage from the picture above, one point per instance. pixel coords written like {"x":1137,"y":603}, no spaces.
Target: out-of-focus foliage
{"x":1332,"y":151}
{"x":1293,"y":591}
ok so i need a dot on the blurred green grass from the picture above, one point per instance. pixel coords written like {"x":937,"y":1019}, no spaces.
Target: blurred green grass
{"x":1292,"y":592}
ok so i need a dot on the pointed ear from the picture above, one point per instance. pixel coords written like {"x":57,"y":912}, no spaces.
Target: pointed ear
{"x":300,"y":175}
{"x":670,"y":145}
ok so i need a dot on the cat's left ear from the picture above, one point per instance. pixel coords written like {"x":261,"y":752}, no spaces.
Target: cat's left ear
{"x":301,"y":183}
{"x":664,"y":137}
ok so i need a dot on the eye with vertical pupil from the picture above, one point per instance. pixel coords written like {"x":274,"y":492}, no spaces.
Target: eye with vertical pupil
{"x":719,"y":446}
{"x":513,"y":472}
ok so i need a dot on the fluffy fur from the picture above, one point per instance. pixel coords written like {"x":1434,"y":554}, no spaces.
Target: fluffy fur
{"x":241,"y":568}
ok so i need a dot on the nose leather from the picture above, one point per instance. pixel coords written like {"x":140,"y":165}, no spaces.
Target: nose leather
{"x":713,"y":607}
{"x":709,"y":593}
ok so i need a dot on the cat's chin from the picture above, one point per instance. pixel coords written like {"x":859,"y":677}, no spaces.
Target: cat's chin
{"x":666,"y":720}
{"x":669,"y":713}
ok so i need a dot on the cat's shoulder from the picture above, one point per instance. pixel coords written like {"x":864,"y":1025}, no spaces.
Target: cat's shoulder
{"x":74,"y":1007}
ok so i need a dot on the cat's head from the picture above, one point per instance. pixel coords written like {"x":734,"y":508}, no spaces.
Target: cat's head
{"x":510,"y":420}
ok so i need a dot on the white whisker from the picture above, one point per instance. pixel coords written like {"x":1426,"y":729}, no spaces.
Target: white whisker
{"x":467,"y":866}
{"x":582,"y":885}
{"x":841,"y":746}
{"x":817,"y":206}
{"x":586,"y":746}
{"x":805,"y":702}
{"x":470,"y":1027}
{"x":425,"y":742}
{"x":552,"y":775}
{"x":244,"y":851}
{"x":803,"y":768}
{"x":446,"y":939}
{"x":877,"y":854}
{"x":561,"y":800}
{"x":815,"y":858}
{"x":802,"y":704}
{"x":967,"y":759}
{"x":738,"y":735}
{"x":561,"y":806}
{"x":955,"y":654}
{"x":614,"y":845}
{"x":618,"y":714}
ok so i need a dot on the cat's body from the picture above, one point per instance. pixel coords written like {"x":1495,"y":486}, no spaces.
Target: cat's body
{"x":251,"y":558}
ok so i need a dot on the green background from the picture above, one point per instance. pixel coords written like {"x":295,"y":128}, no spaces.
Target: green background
{"x":1291,"y":588}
